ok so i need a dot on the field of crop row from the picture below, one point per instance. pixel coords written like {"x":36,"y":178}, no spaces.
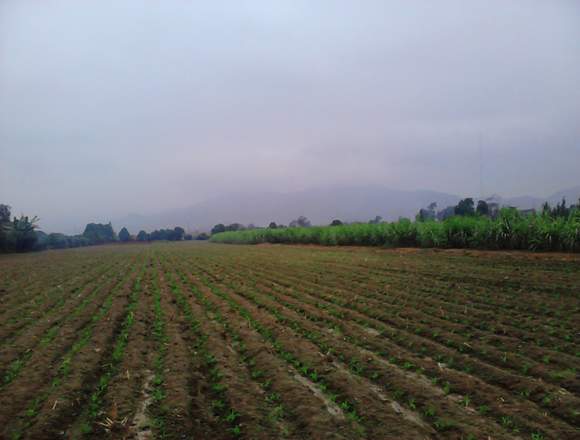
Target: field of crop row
{"x":511,"y":230}
{"x":201,"y":340}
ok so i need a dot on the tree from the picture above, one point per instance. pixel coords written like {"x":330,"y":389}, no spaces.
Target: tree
{"x":336,"y":222}
{"x":41,"y":240}
{"x":272,"y":225}
{"x":235,"y":227}
{"x":220,"y":227}
{"x":178,"y":233}
{"x":124,"y":235}
{"x":57,"y":241}
{"x":430,"y":213}
{"x":445,"y":213}
{"x":77,"y":241}
{"x":5,"y":213}
{"x":422,"y":215}
{"x":300,"y":222}
{"x":546,"y":209}
{"x":98,"y":233}
{"x":188,"y":237}
{"x":202,"y":236}
{"x":375,"y":221}
{"x":23,"y":237}
{"x":561,"y":210}
{"x":142,"y":236}
{"x":157,"y":235}
{"x":482,"y":208}
{"x":465,"y":207}
{"x":5,"y":226}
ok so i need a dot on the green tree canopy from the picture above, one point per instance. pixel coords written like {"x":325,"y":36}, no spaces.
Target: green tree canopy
{"x":220,"y":227}
{"x":178,"y":233}
{"x":482,"y":208}
{"x":98,"y":233}
{"x":124,"y":235}
{"x":300,"y":222}
{"x":465,"y":207}
{"x":22,"y":237}
{"x":5,"y":226}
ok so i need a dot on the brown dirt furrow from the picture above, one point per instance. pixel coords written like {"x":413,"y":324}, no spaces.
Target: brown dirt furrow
{"x":125,"y":391}
{"x":392,"y":379}
{"x":45,"y":310}
{"x":243,"y":392}
{"x":17,"y":276}
{"x":44,"y":362}
{"x":52,"y":275}
{"x":210,"y":341}
{"x":123,"y":394}
{"x":412,"y":288}
{"x":66,"y":402}
{"x":187,"y":398}
{"x":34,"y":336}
{"x":418,"y":311}
{"x":492,"y":396}
{"x":476,"y":295}
{"x":479,"y":268}
{"x":61,"y":399}
{"x":431,"y":301}
{"x":378,"y":422}
{"x":310,"y":413}
{"x":401,"y":326}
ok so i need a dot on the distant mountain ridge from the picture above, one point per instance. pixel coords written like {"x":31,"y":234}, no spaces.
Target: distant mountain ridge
{"x":320,"y":205}
{"x":528,"y":202}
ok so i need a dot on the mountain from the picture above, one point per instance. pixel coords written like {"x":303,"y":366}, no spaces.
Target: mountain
{"x":524,"y":202}
{"x":320,"y":205}
{"x":571,"y":194}
{"x":528,"y":202}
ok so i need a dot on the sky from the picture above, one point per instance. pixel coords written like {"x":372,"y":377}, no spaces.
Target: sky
{"x":116,"y":107}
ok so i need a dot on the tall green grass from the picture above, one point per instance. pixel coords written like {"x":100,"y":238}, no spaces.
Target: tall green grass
{"x":510,"y":230}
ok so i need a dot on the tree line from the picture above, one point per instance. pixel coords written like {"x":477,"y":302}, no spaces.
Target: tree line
{"x":300,"y":222}
{"x":21,"y":234}
{"x":468,"y":208}
{"x":16,"y":234}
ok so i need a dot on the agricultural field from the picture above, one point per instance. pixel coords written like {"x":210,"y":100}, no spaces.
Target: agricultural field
{"x":212,"y":341}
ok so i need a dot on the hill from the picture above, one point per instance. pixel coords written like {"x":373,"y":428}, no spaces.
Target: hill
{"x":320,"y":205}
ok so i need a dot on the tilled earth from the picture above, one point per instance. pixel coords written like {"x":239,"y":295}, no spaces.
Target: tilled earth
{"x":205,"y":341}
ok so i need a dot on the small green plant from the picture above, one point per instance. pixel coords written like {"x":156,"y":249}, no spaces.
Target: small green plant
{"x":465,"y":401}
{"x":430,"y":411}
{"x":483,"y":409}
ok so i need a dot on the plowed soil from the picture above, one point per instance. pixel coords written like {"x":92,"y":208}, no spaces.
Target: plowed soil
{"x":205,"y":341}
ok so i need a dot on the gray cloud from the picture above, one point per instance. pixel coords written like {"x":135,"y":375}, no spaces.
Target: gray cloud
{"x":115,"y":107}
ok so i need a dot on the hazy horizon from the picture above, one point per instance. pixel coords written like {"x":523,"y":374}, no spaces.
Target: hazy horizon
{"x":108,"y":109}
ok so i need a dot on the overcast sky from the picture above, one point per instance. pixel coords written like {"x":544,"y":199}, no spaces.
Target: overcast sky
{"x":113,"y":107}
